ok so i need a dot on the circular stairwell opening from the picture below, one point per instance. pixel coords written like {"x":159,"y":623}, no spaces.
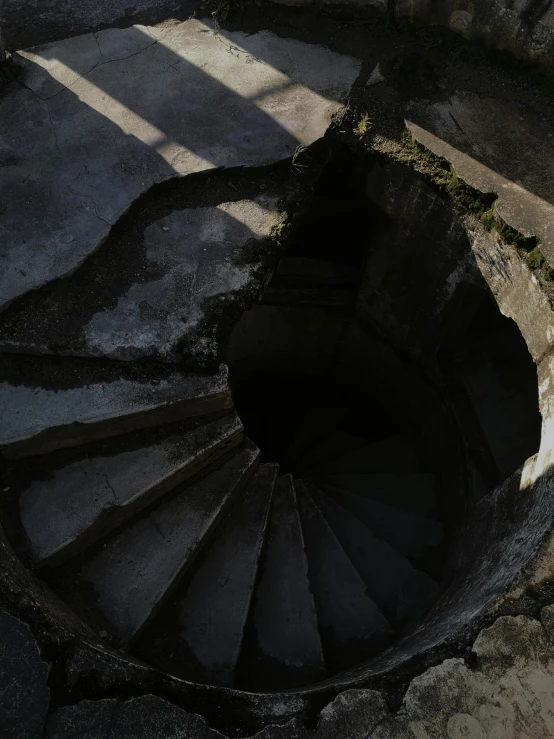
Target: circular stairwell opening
{"x":393,"y":431}
{"x":366,"y":519}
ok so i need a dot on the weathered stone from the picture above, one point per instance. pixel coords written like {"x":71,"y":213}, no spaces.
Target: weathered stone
{"x":496,"y":146}
{"x":353,"y":714}
{"x":24,"y":696}
{"x":509,"y":695}
{"x":147,"y":717}
{"x":547,"y":620}
{"x":38,"y":419}
{"x":191,"y":259}
{"x":292,"y":729}
{"x":182,"y":99}
{"x":517,"y":291}
{"x":113,"y":671}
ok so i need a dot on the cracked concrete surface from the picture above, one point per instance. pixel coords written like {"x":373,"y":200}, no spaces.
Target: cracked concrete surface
{"x":97,"y":120}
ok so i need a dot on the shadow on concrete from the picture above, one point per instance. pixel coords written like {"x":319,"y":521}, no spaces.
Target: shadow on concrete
{"x":121,"y":111}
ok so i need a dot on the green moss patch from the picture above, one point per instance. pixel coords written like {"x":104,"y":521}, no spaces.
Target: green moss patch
{"x":482,"y":205}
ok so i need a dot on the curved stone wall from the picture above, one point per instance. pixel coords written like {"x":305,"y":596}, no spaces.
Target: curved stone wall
{"x":523,"y":27}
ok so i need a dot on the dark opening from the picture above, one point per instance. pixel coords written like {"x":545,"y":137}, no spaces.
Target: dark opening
{"x":289,"y":414}
{"x":493,"y":383}
{"x":315,"y":390}
{"x":337,"y":226}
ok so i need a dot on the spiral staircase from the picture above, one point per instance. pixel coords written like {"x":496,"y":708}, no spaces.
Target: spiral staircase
{"x":163,"y":529}
{"x":264,"y":539}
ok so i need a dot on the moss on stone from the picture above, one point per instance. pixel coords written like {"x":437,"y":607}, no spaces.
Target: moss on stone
{"x":441,"y":172}
{"x":482,"y":205}
{"x":535,"y":259}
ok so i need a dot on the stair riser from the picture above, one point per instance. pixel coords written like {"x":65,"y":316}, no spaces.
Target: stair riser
{"x":191,"y":559}
{"x":222,"y":590}
{"x":111,"y":519}
{"x":351,"y":625}
{"x":137,"y":571}
{"x":76,"y":434}
{"x":287,"y":650}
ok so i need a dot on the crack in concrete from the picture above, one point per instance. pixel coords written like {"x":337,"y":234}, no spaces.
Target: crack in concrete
{"x":95,"y":205}
{"x":55,"y":131}
{"x":95,"y":66}
{"x":108,"y":484}
{"x":95,"y":34}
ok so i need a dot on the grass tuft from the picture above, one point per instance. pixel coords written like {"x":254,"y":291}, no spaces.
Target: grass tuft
{"x":300,"y":154}
{"x":364,"y":124}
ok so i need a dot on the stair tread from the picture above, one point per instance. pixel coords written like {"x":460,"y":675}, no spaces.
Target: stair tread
{"x":288,"y":651}
{"x":316,"y":271}
{"x":89,"y":498}
{"x":315,"y":425}
{"x":351,"y":624}
{"x":337,"y":444}
{"x":408,"y":533}
{"x":135,"y":569}
{"x":207,"y":621}
{"x":323,"y":296}
{"x":43,"y":419}
{"x":403,"y":592}
{"x":394,"y":454}
{"x":411,"y":493}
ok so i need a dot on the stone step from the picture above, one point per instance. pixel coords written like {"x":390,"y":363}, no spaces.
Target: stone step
{"x":411,"y":493}
{"x":351,"y":624}
{"x":159,"y":304}
{"x":403,"y":593}
{"x":336,"y":445}
{"x":199,"y":635}
{"x":394,"y":454}
{"x":316,"y":424}
{"x":324,"y":296}
{"x":314,"y":272}
{"x":134,"y":571}
{"x":87,"y":499}
{"x":37,"y":419}
{"x":408,"y":533}
{"x":286,"y":650}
